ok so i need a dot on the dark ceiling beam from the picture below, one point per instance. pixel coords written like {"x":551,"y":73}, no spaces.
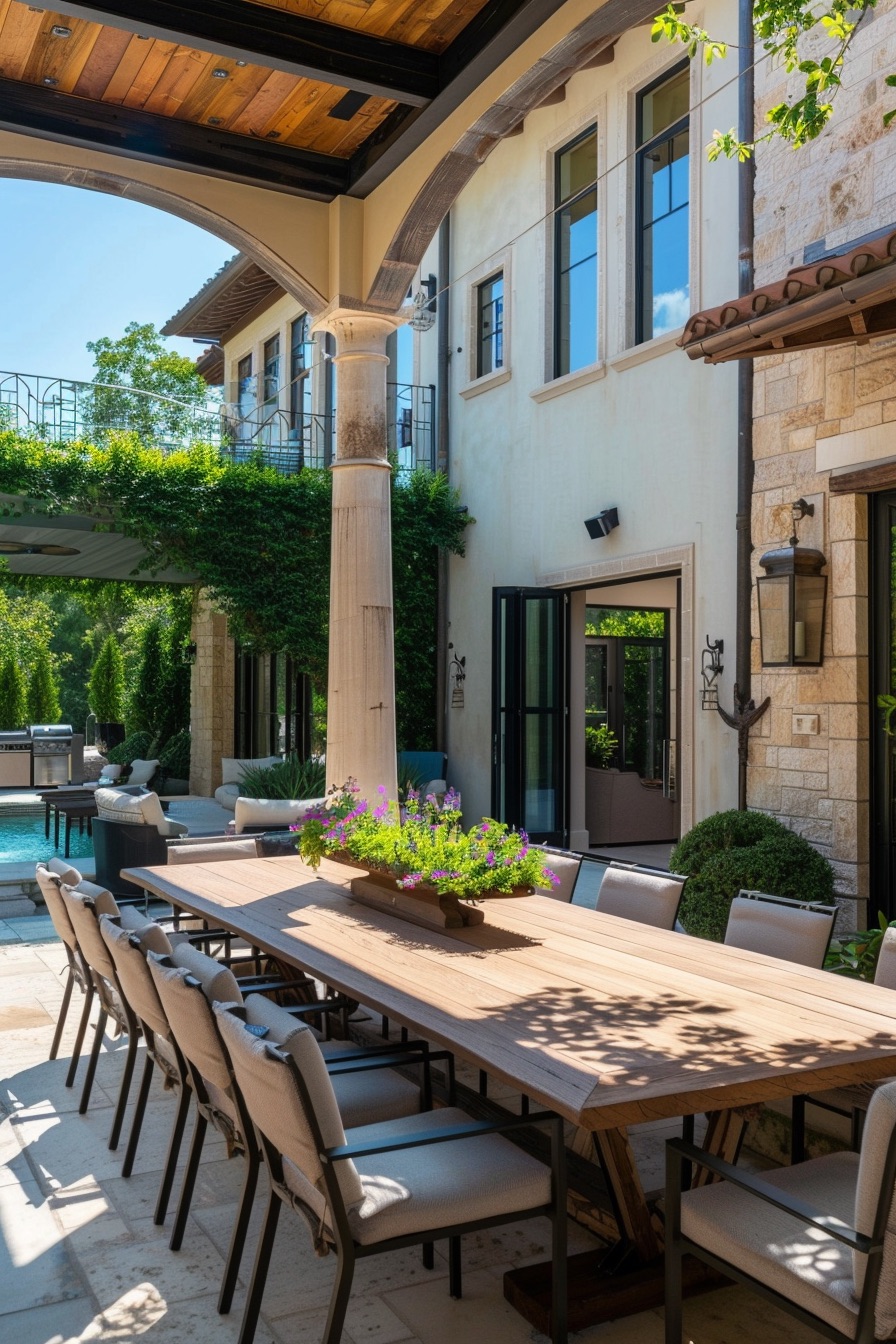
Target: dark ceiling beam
{"x":281,"y":40}
{"x":33,"y":110}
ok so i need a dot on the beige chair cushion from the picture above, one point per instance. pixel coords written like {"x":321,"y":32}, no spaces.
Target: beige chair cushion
{"x":275,"y":1106}
{"x":64,"y":871}
{"x":805,"y":1265}
{"x":103,"y":900}
{"x":363,"y":1098}
{"x":213,"y":853}
{"x":152,"y":936}
{"x":142,"y":771}
{"x":413,"y":1189}
{"x":192,"y":1025}
{"x":134,"y":975}
{"x":648,"y":898}
{"x":875,"y":1140}
{"x":49,"y":885}
{"x":84,"y":922}
{"x":784,"y":931}
{"x":885,"y":970}
{"x":136,"y":809}
{"x":219,"y":984}
{"x":564,"y":866}
{"x":270,"y":812}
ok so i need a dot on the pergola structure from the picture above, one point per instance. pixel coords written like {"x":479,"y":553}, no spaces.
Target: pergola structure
{"x":326,"y":139}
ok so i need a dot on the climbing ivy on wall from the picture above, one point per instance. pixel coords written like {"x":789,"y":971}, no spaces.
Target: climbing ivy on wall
{"x":258,"y":541}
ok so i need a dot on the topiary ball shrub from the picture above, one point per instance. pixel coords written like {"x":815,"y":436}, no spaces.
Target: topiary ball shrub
{"x":733,"y":850}
{"x":135,"y":747}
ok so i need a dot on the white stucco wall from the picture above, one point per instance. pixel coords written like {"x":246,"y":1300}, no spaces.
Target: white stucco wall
{"x":644,"y":430}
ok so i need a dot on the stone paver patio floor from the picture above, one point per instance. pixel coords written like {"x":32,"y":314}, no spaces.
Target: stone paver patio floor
{"x":80,"y":1258}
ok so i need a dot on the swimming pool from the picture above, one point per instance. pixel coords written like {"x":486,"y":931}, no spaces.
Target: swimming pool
{"x":22,"y":839}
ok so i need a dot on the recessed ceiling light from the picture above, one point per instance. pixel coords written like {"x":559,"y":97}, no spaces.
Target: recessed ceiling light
{"x":50,"y":81}
{"x":241,"y":63}
{"x":60,"y":30}
{"x":220,"y":74}
{"x":214,"y":121}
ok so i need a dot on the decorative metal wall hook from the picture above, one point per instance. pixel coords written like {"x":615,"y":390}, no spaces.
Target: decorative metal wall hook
{"x":711,"y":668}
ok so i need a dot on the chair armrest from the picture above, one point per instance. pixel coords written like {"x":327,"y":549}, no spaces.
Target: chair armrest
{"x":806,"y":1213}
{"x":393,"y":1048}
{"x":360,"y":1063}
{"x":472,"y":1130}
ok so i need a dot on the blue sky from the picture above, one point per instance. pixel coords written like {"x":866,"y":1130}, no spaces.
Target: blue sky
{"x":80,"y":264}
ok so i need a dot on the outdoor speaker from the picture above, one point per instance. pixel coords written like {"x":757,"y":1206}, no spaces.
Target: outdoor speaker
{"x":602,"y":524}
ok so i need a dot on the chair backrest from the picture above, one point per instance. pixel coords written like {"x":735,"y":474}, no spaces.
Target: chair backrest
{"x":646,"y":895}
{"x":50,"y":879}
{"x":131,"y":807}
{"x":563,"y":864}
{"x":877,"y":1136}
{"x":128,"y":948}
{"x":797,"y":931}
{"x":84,"y":904}
{"x":187,"y":983}
{"x":213,"y":852}
{"x":885,"y":970}
{"x":274,"y":1102}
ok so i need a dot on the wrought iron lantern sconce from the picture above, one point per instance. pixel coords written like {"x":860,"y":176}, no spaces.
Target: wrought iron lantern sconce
{"x":188,"y":653}
{"x":792,"y":601}
{"x":458,"y":675}
{"x":711,"y":668}
{"x":425,"y":305}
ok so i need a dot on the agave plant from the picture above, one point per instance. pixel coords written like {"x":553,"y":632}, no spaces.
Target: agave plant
{"x":290,"y":778}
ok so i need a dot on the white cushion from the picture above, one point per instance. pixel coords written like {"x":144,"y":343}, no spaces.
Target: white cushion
{"x":213,"y":853}
{"x":875,"y":1140}
{"x":269,"y":812}
{"x":885,"y":970}
{"x":136,"y":809}
{"x":232,"y":767}
{"x":142,"y":771}
{"x":109,"y":774}
{"x":442,"y":1184}
{"x":804,"y":1264}
{"x":226,"y":795}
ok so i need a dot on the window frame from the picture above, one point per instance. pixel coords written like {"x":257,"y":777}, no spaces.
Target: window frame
{"x":641,"y":149}
{"x":498,"y":332}
{"x":557,"y":208}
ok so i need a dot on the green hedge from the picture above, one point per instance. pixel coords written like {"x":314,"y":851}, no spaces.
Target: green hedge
{"x":733,"y":850}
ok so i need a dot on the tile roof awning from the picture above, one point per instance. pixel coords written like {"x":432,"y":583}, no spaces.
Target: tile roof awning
{"x":840,"y":299}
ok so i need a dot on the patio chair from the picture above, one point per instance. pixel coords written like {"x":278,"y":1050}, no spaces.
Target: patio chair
{"x":129,"y":832}
{"x":84,"y":905}
{"x":50,"y":877}
{"x":565,"y":865}
{"x":645,"y":895}
{"x":852,"y":1102}
{"x":188,"y":983}
{"x":798,"y":931}
{"x":382,"y":1187}
{"x":811,"y":1238}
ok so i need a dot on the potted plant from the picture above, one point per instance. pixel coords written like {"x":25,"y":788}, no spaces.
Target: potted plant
{"x":422,"y":852}
{"x":105,"y":693}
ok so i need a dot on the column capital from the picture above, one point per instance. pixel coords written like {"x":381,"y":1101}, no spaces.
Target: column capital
{"x":356,"y":325}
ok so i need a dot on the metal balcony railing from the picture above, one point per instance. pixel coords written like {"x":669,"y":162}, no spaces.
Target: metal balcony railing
{"x":60,"y":410}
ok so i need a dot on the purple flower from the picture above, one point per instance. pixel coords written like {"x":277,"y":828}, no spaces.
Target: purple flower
{"x":411,"y":880}
{"x":490,"y":858}
{"x":552,"y":877}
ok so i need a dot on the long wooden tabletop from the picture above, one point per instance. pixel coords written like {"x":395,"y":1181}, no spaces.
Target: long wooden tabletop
{"x":607,"y":1021}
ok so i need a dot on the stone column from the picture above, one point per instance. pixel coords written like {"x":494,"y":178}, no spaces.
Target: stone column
{"x":361,"y":675}
{"x":211,"y":696}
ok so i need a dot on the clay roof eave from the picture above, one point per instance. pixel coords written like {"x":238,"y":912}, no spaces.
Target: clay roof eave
{"x":828,"y":303}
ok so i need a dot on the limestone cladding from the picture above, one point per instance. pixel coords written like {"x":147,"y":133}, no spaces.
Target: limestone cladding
{"x":211,"y":697}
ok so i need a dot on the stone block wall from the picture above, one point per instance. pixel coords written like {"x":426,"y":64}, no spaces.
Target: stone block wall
{"x":211,"y":697}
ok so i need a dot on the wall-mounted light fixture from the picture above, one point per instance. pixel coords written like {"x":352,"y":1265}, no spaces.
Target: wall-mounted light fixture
{"x":457,"y":674}
{"x":711,"y":669}
{"x":602,"y":524}
{"x":425,"y":305}
{"x":792,"y":601}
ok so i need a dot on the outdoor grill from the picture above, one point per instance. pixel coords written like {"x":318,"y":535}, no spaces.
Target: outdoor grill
{"x":51,"y":747}
{"x":15,"y":759}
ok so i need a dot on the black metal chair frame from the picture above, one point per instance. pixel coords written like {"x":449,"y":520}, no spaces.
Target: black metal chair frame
{"x":681,"y":1156}
{"x":348,"y":1250}
{"x":78,"y":973}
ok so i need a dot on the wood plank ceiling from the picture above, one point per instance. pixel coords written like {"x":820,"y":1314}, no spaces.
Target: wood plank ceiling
{"x":304,"y":95}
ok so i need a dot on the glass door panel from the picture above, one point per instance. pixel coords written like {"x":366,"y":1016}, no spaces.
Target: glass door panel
{"x":644,"y":707}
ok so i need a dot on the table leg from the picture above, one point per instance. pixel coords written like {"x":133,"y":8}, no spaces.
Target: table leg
{"x":617,"y":1161}
{"x":68,"y":833}
{"x":47,"y":819}
{"x":56,"y":829}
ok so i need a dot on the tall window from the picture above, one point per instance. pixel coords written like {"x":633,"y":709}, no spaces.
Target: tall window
{"x":300,"y":362}
{"x":663,"y":297}
{"x":271,"y":372}
{"x":575,"y":255}
{"x":490,"y":325}
{"x":245,"y":385}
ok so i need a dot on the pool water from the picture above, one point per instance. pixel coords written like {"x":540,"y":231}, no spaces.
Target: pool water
{"x":22,"y":839}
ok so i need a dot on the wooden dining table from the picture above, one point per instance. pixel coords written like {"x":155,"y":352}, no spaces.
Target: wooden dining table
{"x":611,"y":1023}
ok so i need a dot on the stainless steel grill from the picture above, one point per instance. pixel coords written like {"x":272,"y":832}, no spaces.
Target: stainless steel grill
{"x":15,"y":759}
{"x":51,"y":746}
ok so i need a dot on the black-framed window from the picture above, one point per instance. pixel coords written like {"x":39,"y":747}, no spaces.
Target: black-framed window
{"x":490,"y":325}
{"x":300,"y":365}
{"x":662,"y":224}
{"x":575,"y":254}
{"x":271,"y":370}
{"x":245,"y":392}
